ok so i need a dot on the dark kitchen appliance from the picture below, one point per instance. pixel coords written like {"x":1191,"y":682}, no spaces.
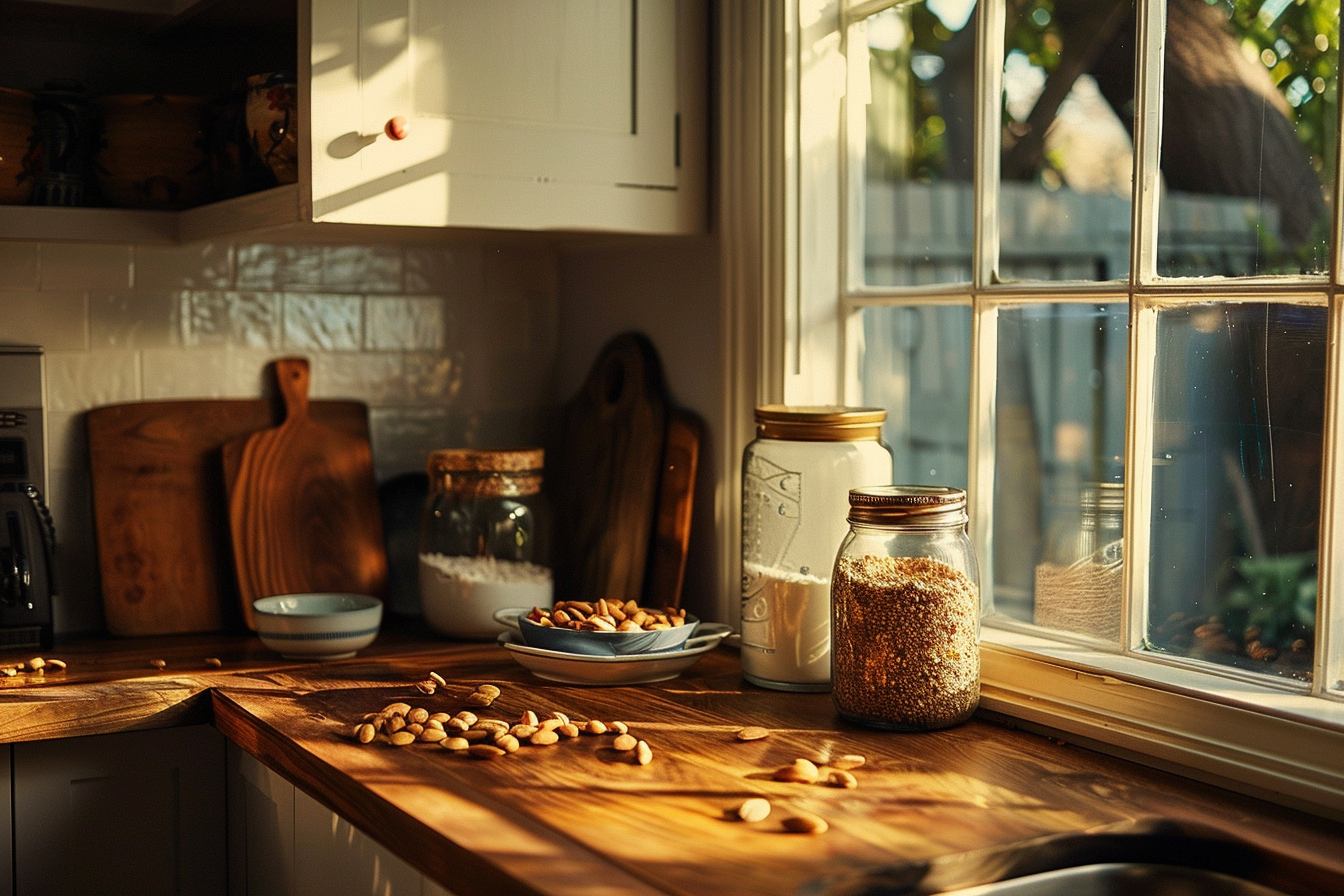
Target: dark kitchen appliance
{"x":27,"y":536}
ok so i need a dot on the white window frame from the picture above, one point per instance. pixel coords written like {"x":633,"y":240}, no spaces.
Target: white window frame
{"x":788,"y":315}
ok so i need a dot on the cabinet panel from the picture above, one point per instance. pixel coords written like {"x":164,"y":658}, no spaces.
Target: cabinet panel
{"x":6,"y":822}
{"x":261,"y":828}
{"x":144,"y":810}
{"x":520,"y":114}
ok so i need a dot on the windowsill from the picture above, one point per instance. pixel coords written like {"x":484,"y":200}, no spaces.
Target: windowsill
{"x":1276,"y":743}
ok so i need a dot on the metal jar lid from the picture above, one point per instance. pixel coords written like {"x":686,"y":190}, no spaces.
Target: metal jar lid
{"x":819,"y":423}
{"x":908,"y":506}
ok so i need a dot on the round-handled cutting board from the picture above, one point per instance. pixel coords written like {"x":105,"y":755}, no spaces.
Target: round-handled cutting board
{"x":303,"y":505}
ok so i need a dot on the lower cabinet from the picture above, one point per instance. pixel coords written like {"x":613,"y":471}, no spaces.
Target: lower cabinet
{"x":283,"y":842}
{"x":136,"y":813}
{"x":6,"y":823}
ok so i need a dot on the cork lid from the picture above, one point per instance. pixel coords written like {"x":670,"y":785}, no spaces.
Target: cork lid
{"x":819,"y":423}
{"x":908,"y":506}
{"x":479,"y":460}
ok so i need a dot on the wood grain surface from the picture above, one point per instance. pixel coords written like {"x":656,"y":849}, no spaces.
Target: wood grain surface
{"x":674,"y":506}
{"x":603,"y":475}
{"x":581,"y":817}
{"x":160,"y":512}
{"x":303,"y":508}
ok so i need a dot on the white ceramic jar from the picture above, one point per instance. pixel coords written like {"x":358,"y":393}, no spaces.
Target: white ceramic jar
{"x":796,"y":477}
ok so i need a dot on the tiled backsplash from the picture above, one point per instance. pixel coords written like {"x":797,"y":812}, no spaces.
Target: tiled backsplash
{"x":448,"y":345}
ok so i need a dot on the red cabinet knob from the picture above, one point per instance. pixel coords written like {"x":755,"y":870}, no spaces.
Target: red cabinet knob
{"x":396,"y":128}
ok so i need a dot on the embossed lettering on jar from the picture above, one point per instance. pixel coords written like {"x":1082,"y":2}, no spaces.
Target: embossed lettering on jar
{"x":906,"y":611}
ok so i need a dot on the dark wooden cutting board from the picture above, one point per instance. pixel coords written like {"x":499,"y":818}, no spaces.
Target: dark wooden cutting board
{"x":160,"y":517}
{"x":303,"y":507}
{"x":604,"y":473}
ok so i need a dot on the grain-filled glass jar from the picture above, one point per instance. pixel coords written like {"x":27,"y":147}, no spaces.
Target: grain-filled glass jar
{"x":484,"y":536}
{"x":906,"y":610}
{"x":796,"y":475}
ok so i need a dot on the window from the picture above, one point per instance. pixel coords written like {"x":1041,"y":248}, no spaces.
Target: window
{"x":1103,"y":295}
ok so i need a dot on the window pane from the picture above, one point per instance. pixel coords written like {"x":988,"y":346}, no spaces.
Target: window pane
{"x":1067,"y":162}
{"x":1059,"y":464}
{"x":1248,"y":135}
{"x":918,"y":206}
{"x":915,"y":362}
{"x":1236,"y":484}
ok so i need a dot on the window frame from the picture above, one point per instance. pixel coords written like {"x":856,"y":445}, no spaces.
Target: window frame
{"x":794,"y":317}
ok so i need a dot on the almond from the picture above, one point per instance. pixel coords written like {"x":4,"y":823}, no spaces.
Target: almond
{"x":401,"y":738}
{"x":365,"y":733}
{"x":488,"y":690}
{"x":399,"y":709}
{"x":454,"y":743}
{"x":838,"y":777}
{"x":643,"y":753}
{"x":432,"y":735}
{"x":618,"y":727}
{"x":569,"y":729}
{"x":754,"y":809}
{"x":593,"y":726}
{"x":805,"y":823}
{"x":419,"y":715}
{"x":529,"y":718}
{"x":437,"y":679}
{"x":544,"y":738}
{"x":803,"y":771}
{"x":624,"y":742}
{"x":752,"y":732}
{"x":508,"y":743}
{"x":847,"y":762}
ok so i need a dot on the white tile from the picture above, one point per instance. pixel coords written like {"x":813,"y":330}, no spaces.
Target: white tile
{"x":231,"y":319}
{"x":77,"y":381}
{"x":186,"y":373}
{"x":402,"y":438}
{"x":270,"y":267}
{"x":375,"y":269}
{"x":18,"y":265}
{"x":67,"y":442}
{"x":457,"y":270}
{"x":84,"y":266}
{"x":406,"y":324}
{"x":323,"y":322}
{"x":57,"y":321}
{"x":373,"y":378}
{"x":135,"y":320}
{"x":194,"y":266}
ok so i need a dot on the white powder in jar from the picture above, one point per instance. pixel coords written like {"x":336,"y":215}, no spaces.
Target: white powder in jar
{"x":786,"y":629}
{"x":460,"y":595}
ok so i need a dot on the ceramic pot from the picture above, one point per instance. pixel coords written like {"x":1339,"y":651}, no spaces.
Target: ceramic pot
{"x":18,"y":125}
{"x":152,"y":153}
{"x":272,"y":113}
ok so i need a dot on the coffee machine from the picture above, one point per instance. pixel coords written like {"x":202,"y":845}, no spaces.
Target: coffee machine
{"x":27,"y":534}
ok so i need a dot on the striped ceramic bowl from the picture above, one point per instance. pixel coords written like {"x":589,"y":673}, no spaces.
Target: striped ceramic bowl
{"x":325,"y":626}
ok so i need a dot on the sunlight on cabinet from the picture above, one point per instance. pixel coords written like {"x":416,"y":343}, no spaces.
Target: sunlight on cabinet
{"x":283,"y":842}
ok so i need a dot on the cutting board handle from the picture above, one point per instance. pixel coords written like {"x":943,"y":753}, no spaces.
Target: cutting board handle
{"x":293,"y":376}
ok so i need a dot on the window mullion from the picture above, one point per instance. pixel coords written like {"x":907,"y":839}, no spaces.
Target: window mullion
{"x":1150,"y":52}
{"x":988,"y":138}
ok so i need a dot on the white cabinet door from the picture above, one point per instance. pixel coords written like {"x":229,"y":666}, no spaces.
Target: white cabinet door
{"x":137,"y":813}
{"x":522,"y":114}
{"x":6,"y":824}
{"x":283,"y":842}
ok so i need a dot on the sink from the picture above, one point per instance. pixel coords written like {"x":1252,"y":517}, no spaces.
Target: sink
{"x":1122,"y":879}
{"x":1145,"y":857}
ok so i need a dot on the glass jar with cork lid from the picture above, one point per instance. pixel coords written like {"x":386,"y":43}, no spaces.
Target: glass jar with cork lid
{"x":906,"y":610}
{"x":796,"y":475}
{"x":484,"y":538}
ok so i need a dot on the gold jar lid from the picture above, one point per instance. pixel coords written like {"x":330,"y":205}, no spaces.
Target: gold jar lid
{"x":819,"y":423}
{"x":908,"y":506}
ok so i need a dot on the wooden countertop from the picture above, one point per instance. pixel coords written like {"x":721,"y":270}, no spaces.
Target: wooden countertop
{"x":582,"y":818}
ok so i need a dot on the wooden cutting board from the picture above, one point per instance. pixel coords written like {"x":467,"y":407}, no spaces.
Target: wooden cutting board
{"x":603,"y":475}
{"x":672,"y":515}
{"x":303,"y":507}
{"x":160,"y":517}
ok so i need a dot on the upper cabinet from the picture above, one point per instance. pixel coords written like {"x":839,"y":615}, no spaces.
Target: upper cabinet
{"x":567,"y":115}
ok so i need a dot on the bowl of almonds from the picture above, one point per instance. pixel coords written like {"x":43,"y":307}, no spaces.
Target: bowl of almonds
{"x":601,"y":628}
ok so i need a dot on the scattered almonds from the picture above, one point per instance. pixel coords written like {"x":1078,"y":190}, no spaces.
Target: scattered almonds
{"x":643,"y":753}
{"x":593,"y":726}
{"x":841,"y":778}
{"x":426,"y":687}
{"x":754,"y":809}
{"x":803,"y":771}
{"x":619,"y":727}
{"x":805,"y":823}
{"x":624,"y":742}
{"x":438,"y":679}
{"x":847,"y":762}
{"x":455,"y":743}
{"x":752,"y":732}
{"x":544,"y":738}
{"x":401,"y":738}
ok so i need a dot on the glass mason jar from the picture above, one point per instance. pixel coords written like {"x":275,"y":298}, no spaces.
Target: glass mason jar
{"x":483,"y":539}
{"x":795,"y":478}
{"x":906,"y":610}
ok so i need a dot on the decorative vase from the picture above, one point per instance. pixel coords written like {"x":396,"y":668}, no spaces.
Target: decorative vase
{"x":272,"y":113}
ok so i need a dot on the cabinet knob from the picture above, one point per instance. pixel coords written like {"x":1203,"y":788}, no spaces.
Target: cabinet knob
{"x":396,"y":128}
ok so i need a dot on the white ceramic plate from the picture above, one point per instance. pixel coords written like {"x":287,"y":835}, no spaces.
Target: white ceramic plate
{"x":571,"y":668}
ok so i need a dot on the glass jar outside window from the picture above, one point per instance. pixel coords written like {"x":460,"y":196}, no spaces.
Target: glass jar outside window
{"x":796,"y":476}
{"x":906,"y":611}
{"x":483,"y":539}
